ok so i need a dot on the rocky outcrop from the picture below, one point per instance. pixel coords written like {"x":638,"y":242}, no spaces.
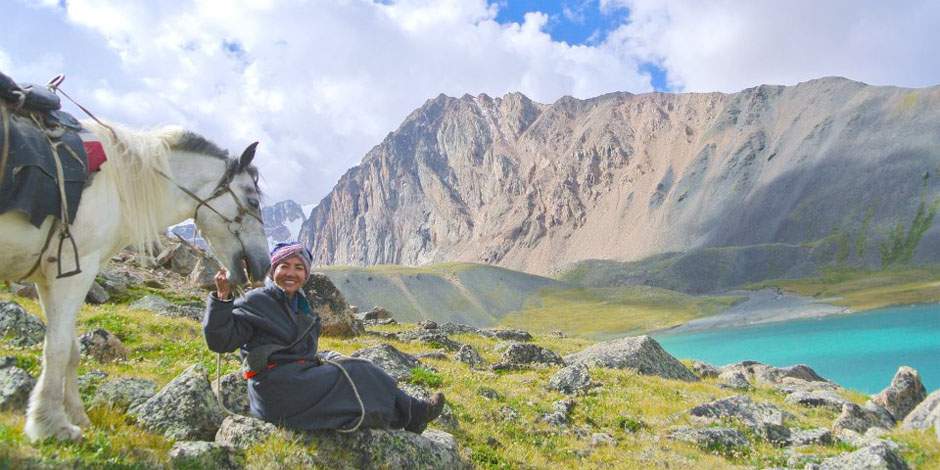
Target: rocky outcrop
{"x":15,"y":385}
{"x":664,"y":172}
{"x":572,"y":380}
{"x":19,"y":327}
{"x":325,"y":299}
{"x":282,"y":221}
{"x":242,"y":432}
{"x":641,"y":353}
{"x":470,"y":356}
{"x":391,"y":360}
{"x":925,"y":415}
{"x":818,"y":398}
{"x":763,"y":419}
{"x":903,"y":395}
{"x":185,"y":409}
{"x":202,"y":454}
{"x":560,"y":415}
{"x":862,"y":418}
{"x":874,"y":457}
{"x":524,"y":353}
{"x":710,"y":438}
{"x":125,"y":392}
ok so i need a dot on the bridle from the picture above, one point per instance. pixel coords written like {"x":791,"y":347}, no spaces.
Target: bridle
{"x":224,"y":186}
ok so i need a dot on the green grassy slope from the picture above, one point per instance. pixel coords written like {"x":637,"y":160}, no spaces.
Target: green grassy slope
{"x":483,"y":295}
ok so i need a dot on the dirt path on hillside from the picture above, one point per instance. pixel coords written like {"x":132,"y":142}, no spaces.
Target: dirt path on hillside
{"x":763,"y":306}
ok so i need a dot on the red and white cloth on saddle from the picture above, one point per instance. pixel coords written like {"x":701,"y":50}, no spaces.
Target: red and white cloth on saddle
{"x":93,"y":149}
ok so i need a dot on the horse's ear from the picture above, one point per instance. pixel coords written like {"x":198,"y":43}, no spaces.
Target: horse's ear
{"x":246,"y":157}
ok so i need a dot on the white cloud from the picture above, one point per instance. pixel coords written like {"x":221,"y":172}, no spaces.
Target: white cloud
{"x":729,"y":45}
{"x":320,"y":83}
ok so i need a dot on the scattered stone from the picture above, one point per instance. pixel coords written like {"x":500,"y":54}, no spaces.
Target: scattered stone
{"x":185,"y":409}
{"x":557,"y":334}
{"x":202,"y":454}
{"x":799,"y":371}
{"x":125,"y":392}
{"x":435,"y":354}
{"x":763,"y":419}
{"x":860,"y":419}
{"x":560,"y":414}
{"x":449,"y":328}
{"x":391,"y":360}
{"x":25,"y":290}
{"x":488,"y":393}
{"x":639,"y":352}
{"x":8,"y":361}
{"x":96,"y":294}
{"x":903,"y":395}
{"x":155,"y":304}
{"x":382,"y":334}
{"x":710,"y":438}
{"x":191,"y":310}
{"x":22,"y":328}
{"x":102,"y":346}
{"x":374,"y":449}
{"x":526,"y":353}
{"x":89,"y":381}
{"x":734,"y":379}
{"x":431,"y":337}
{"x":329,"y":303}
{"x":234,"y":393}
{"x":506,"y":334}
{"x":806,"y":437}
{"x":387,"y":321}
{"x":926,"y":414}
{"x":202,"y":275}
{"x":377,"y":313}
{"x":571,"y":380}
{"x":502,"y":346}
{"x":427,"y":325}
{"x":507,"y":367}
{"x":705,"y":370}
{"x":15,"y":385}
{"x":493,"y":443}
{"x":874,"y":457}
{"x":599,"y":439}
{"x":507,"y":413}
{"x":819,"y":399}
{"x":178,"y":259}
{"x":469,"y":355}
{"x":242,"y":432}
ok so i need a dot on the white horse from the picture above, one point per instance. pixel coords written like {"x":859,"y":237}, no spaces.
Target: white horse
{"x":151,"y":180}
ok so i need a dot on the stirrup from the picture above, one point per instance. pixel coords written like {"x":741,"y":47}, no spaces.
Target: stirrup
{"x":63,"y":235}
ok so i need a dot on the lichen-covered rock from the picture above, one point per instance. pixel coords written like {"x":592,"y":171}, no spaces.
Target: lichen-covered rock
{"x":705,"y":370}
{"x":903,"y":395}
{"x":506,"y":334}
{"x":710,"y":438}
{"x":427,"y":325}
{"x":469,"y":355}
{"x":926,"y":414}
{"x":734,"y":379}
{"x":96,"y":294}
{"x":125,"y":392}
{"x":806,"y":437}
{"x":432,"y":337}
{"x":325,"y":299}
{"x":874,"y":457}
{"x":391,"y":360}
{"x":20,"y":327}
{"x":380,"y":449}
{"x":15,"y":385}
{"x":571,"y":380}
{"x":861,"y":418}
{"x":102,"y":346}
{"x":449,"y":328}
{"x":818,"y":399}
{"x":88,"y":382}
{"x":202,"y":454}
{"x":560,"y":413}
{"x":185,"y":409}
{"x":233,"y":393}
{"x":763,"y":419}
{"x":526,"y":353}
{"x":799,"y":371}
{"x":242,"y":432}
{"x":155,"y":304}
{"x":641,"y":353}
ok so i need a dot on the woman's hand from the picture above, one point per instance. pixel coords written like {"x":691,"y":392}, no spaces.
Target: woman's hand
{"x":223,"y":288}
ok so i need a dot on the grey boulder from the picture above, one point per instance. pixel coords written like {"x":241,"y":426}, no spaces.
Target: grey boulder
{"x":242,"y":432}
{"x":818,"y":399}
{"x":125,"y":392}
{"x":926,"y":415}
{"x":102,"y":346}
{"x":861,"y":418}
{"x":202,"y":454}
{"x":22,"y":328}
{"x":232,"y":391}
{"x":391,"y":360}
{"x":15,"y":385}
{"x":96,"y":294}
{"x":470,"y":356}
{"x":903,"y":395}
{"x":710,"y":438}
{"x":874,"y":457}
{"x":185,"y":409}
{"x":763,"y":419}
{"x":506,"y":334}
{"x":526,"y":353}
{"x":641,"y":353}
{"x":571,"y":380}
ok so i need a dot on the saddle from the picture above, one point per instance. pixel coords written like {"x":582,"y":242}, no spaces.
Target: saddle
{"x":38,"y":140}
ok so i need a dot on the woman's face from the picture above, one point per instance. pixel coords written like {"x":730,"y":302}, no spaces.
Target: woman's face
{"x":290,"y":275}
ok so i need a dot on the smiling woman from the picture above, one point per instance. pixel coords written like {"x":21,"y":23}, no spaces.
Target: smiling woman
{"x":289,"y":381}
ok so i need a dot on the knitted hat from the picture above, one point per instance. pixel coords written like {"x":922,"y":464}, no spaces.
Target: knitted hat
{"x":282,"y":251}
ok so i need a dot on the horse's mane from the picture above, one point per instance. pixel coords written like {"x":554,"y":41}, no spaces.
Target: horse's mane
{"x":135,"y":161}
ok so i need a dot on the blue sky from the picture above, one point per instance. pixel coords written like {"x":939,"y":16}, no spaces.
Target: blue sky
{"x":321,"y":82}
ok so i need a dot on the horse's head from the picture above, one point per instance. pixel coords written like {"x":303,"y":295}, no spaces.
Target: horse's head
{"x":231,"y":221}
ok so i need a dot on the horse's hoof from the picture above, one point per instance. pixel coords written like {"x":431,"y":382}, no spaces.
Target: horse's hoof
{"x":79,"y":418}
{"x":68,"y":432}
{"x":62,"y":432}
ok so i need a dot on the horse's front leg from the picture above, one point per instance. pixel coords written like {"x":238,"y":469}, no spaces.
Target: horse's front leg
{"x":74,"y":408}
{"x":45,"y":415}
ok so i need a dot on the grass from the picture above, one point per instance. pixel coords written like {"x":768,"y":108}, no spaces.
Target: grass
{"x":501,"y":432}
{"x":865,"y":290}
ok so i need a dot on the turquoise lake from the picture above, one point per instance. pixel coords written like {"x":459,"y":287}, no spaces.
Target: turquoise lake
{"x":860,"y":351}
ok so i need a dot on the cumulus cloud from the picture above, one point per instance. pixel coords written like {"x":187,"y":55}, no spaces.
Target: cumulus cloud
{"x":319,"y":83}
{"x":729,"y":45}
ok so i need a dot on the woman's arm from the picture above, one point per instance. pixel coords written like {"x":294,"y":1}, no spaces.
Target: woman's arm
{"x":220,"y":326}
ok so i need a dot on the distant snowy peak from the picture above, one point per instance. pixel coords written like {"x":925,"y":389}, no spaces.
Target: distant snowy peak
{"x":282,"y":221}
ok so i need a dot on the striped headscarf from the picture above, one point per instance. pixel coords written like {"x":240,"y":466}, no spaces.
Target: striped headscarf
{"x":282,"y":251}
